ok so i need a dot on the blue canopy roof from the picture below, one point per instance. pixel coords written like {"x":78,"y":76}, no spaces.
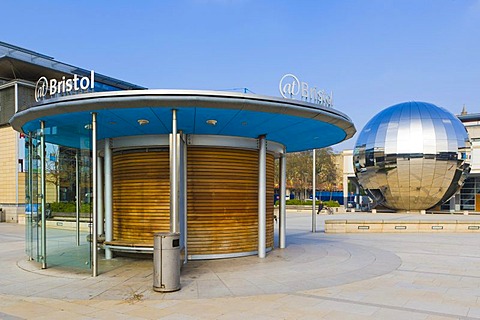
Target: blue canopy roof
{"x":298,"y":125}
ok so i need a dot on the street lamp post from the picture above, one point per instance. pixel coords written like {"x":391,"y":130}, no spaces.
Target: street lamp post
{"x":314,"y":217}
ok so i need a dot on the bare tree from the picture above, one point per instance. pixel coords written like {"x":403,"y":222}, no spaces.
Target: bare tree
{"x":326,"y":170}
{"x":52,"y":169}
{"x":299,"y":171}
{"x":60,"y":168}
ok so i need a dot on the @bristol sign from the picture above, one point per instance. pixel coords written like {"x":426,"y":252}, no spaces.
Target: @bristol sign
{"x":53,"y":87}
{"x":290,"y":88}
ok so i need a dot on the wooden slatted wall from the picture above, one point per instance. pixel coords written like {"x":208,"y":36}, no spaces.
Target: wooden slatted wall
{"x":223,"y":200}
{"x":141,"y":196}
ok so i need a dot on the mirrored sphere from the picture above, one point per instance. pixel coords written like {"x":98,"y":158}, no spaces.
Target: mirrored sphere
{"x":411,"y":156}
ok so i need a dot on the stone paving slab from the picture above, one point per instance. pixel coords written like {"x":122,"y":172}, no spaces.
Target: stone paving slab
{"x":318,"y":276}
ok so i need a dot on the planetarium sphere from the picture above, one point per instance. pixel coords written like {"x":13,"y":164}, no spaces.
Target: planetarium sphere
{"x":411,"y":156}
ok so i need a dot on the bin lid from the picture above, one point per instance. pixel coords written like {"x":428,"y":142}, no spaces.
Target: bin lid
{"x":166,"y":234}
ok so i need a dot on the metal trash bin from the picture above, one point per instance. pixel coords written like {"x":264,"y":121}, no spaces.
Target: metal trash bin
{"x":166,"y":262}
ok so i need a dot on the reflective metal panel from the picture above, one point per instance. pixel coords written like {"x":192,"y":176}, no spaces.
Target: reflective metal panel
{"x":408,"y":156}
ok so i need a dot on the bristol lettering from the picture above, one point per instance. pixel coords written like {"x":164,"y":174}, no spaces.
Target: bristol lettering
{"x":65,"y":86}
{"x":292,"y":88}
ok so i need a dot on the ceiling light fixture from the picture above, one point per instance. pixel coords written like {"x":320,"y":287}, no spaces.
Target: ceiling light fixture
{"x":212,"y":122}
{"x":143,"y":121}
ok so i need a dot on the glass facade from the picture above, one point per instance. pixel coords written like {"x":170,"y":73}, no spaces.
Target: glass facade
{"x":469,"y":192}
{"x":32,"y":214}
{"x":59,"y":212}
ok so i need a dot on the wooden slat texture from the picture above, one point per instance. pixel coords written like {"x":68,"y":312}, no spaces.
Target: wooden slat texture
{"x":141,"y":196}
{"x":222,"y":199}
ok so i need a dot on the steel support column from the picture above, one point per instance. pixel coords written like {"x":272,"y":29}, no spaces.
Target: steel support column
{"x":283,"y":202}
{"x":30,"y":197}
{"x":95,"y":198}
{"x":77,"y":198}
{"x":108,"y":196}
{"x":100,"y":195}
{"x":17,"y":200}
{"x":262,"y":195}
{"x":44,"y":194}
{"x":174,"y":219}
{"x":314,"y":174}
{"x":185,"y":195}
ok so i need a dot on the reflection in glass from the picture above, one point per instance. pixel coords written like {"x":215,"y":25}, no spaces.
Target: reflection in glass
{"x":60,"y":196}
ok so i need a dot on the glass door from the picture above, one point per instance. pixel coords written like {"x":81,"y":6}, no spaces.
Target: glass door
{"x":68,"y":199}
{"x":68,"y":185}
{"x":32,"y":203}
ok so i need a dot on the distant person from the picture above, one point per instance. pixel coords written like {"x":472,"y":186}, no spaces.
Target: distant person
{"x":320,"y":206}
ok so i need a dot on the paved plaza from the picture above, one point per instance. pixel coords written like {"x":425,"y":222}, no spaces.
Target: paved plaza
{"x":318,"y":276}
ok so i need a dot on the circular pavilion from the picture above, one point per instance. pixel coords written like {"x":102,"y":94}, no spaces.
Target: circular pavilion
{"x":200,"y":163}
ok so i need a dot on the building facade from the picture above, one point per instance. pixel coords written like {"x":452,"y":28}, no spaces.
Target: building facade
{"x":20,"y":69}
{"x":468,"y":199}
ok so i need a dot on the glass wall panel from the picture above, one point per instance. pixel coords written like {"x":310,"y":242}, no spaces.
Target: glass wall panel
{"x":467,"y":194}
{"x":63,"y":163}
{"x":62,"y":248}
{"x":32,"y":199}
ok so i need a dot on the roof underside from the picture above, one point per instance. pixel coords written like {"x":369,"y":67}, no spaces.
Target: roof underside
{"x":297,"y":125}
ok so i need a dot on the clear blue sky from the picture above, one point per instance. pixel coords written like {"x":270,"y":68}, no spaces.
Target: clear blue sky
{"x":371,"y":53}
